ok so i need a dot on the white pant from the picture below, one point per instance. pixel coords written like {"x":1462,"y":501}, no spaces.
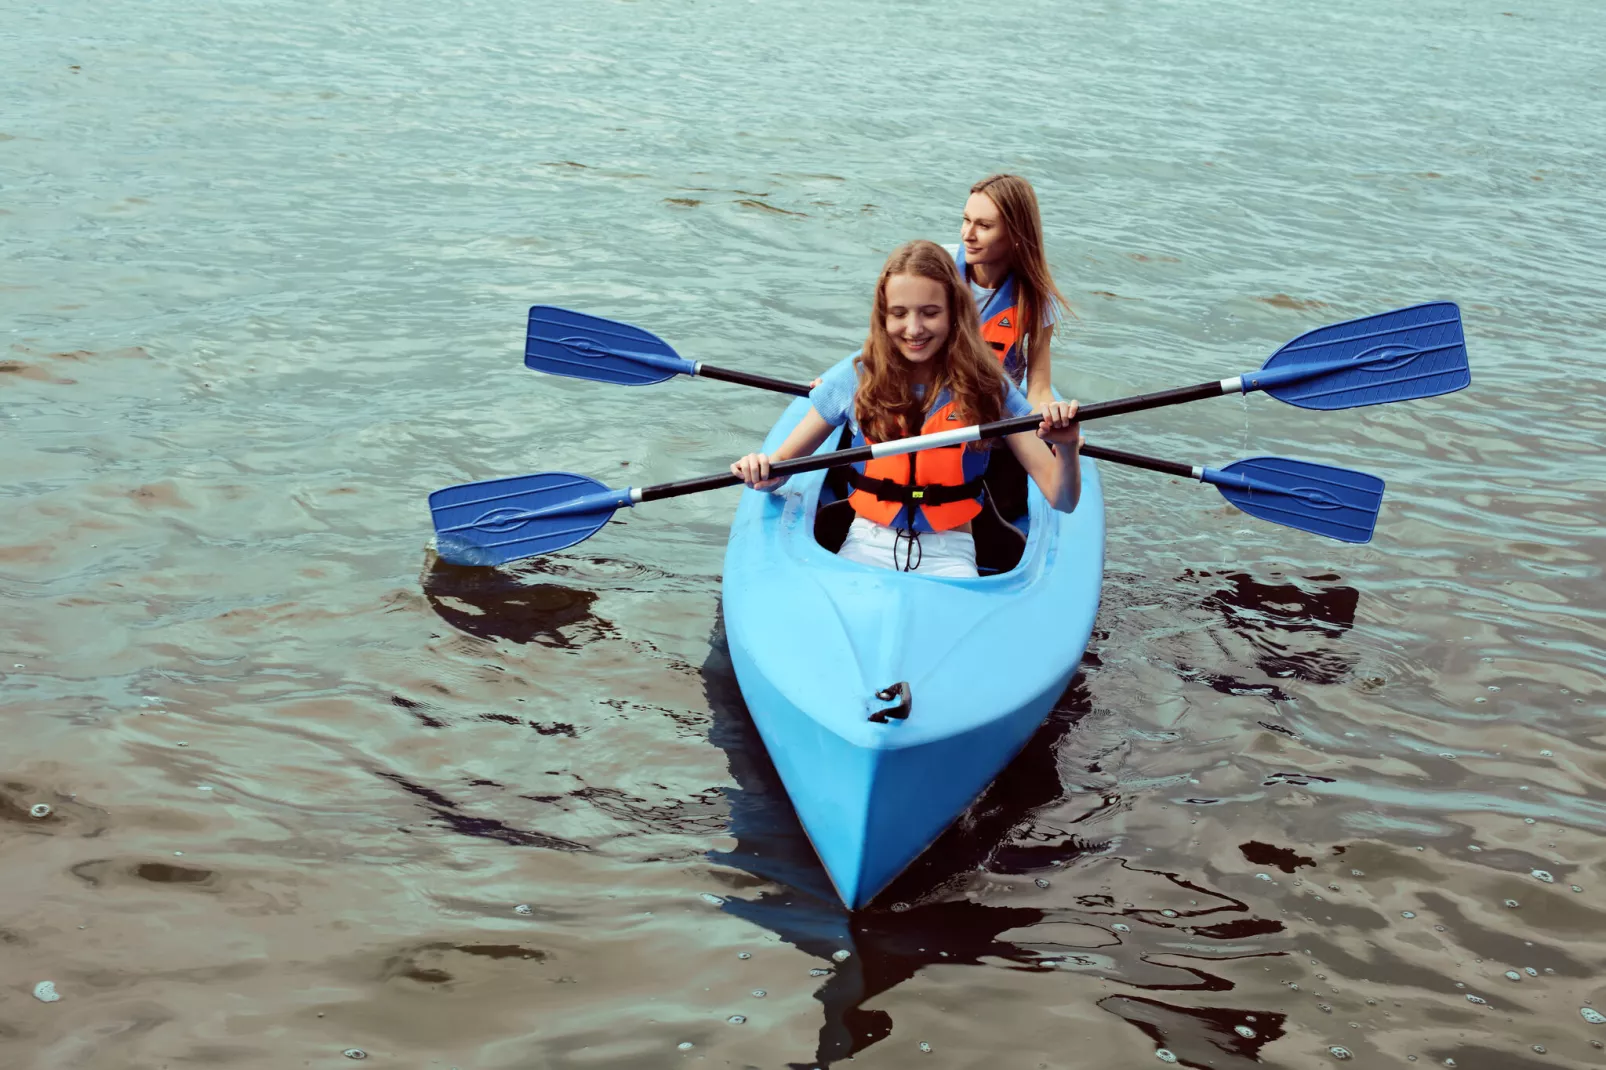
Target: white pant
{"x":940,"y":553}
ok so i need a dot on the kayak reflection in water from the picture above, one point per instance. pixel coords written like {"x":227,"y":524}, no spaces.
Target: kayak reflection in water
{"x":925,"y":368}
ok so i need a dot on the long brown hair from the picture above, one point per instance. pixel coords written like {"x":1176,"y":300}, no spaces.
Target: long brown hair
{"x":1023,"y":225}
{"x":885,"y":403}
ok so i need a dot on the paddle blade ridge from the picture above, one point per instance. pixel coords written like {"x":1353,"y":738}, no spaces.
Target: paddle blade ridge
{"x":1416,"y":352}
{"x":1338,"y":503}
{"x":560,"y":341}
{"x":500,"y":520}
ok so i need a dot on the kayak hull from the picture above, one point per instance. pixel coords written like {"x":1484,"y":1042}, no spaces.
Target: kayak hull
{"x":820,"y":647}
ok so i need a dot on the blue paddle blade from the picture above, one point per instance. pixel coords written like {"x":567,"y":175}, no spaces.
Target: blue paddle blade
{"x":563,"y":342}
{"x":501,"y":520}
{"x":1334,"y":502}
{"x":1415,"y":352}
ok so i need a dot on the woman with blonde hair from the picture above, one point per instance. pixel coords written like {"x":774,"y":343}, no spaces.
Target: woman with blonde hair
{"x":925,"y":367}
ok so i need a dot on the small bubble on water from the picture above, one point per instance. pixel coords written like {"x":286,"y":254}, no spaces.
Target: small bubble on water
{"x":1576,"y":888}
{"x":39,"y":810}
{"x":1439,"y":929}
{"x":1540,"y":1048}
{"x":1450,"y":1062}
{"x":524,"y":908}
{"x":841,"y":955}
{"x":685,"y":1045}
{"x":1407,"y":914}
{"x":1475,"y":999}
{"x":1357,"y":873}
{"x":355,"y":1053}
{"x":819,"y":972}
{"x":1512,"y":904}
{"x":1543,"y":875}
{"x":737,"y":1019}
{"x":1592,"y":1016}
{"x":1324,"y":1008}
{"x":1447,"y":755}
{"x":713,"y":900}
{"x":1169,"y":913}
{"x":1529,"y":821}
{"x":1493,"y":688}
{"x":1121,"y":927}
{"x":759,"y":993}
{"x":1244,"y":1031}
{"x":1546,"y":754}
{"x":1530,"y":971}
{"x":1262,"y":876}
{"x":1340,"y":1053}
{"x":925,"y":1047}
{"x":1164,"y":1055}
{"x":1040,"y":882}
{"x":744,"y":954}
{"x":45,"y":992}
{"x":1293,"y":987}
{"x":1474,"y":847}
{"x":1513,"y":975}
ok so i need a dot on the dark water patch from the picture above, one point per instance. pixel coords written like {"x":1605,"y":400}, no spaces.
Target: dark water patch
{"x":1200,"y":1038}
{"x":1281,"y":300}
{"x":1265,"y":854}
{"x":168,"y":873}
{"x":99,"y":872}
{"x":748,"y":202}
{"x":1242,"y":929}
{"x":498,"y":604}
{"x":683,"y":202}
{"x":451,"y":817}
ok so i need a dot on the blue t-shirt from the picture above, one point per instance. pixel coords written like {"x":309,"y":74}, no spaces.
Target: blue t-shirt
{"x":833,"y":398}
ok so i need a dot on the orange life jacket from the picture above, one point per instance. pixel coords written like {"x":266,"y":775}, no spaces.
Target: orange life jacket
{"x":1001,"y":326}
{"x":933,"y":490}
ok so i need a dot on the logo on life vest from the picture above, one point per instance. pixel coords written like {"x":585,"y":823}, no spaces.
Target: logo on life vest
{"x":1004,"y":322}
{"x":953,"y":416}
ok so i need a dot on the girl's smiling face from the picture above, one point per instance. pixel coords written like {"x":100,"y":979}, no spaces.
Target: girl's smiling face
{"x":918,"y":318}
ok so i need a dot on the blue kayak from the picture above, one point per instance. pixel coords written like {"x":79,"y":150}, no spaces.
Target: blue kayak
{"x":888,"y":701}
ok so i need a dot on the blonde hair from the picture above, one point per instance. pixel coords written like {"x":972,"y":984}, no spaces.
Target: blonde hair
{"x":885,"y":403}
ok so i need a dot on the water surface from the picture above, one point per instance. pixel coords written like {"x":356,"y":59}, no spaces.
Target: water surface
{"x":264,"y":274}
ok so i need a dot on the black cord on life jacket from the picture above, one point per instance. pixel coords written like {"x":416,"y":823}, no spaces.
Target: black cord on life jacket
{"x":912,"y":497}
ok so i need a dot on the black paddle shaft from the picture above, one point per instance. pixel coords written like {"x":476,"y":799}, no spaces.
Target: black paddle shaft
{"x":1091,"y":411}
{"x":995,"y":429}
{"x":1137,"y":460}
{"x":763,"y":382}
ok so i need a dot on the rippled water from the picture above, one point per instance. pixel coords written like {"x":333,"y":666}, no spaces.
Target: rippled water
{"x":264,"y":273}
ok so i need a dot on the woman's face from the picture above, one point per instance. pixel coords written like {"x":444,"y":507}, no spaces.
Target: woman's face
{"x":918,"y":318}
{"x":983,"y":233}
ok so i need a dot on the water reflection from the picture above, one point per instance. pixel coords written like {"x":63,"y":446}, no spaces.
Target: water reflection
{"x":511,"y":604}
{"x":1289,"y":625}
{"x":924,"y":920}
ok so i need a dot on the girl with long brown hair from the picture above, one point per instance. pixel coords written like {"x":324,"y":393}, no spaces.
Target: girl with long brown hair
{"x":1001,"y":257}
{"x":925,"y":366}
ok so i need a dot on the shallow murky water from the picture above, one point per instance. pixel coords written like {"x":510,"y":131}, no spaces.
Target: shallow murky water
{"x":310,"y":792}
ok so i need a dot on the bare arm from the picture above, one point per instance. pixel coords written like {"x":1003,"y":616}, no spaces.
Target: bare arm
{"x":1040,"y":370}
{"x":1057,"y":472}
{"x":806,"y":437}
